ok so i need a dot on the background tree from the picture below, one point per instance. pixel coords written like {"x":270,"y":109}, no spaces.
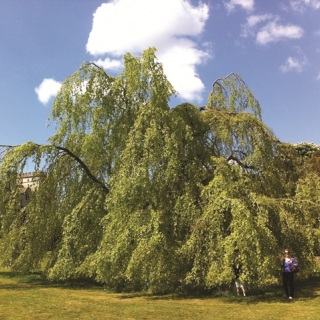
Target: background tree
{"x":139,"y":195}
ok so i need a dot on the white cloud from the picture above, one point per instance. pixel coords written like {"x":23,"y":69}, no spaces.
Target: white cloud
{"x":318,"y":77}
{"x":245,"y":4}
{"x":109,"y":64}
{"x":271,"y":31}
{"x":252,"y":22}
{"x":172,"y":26}
{"x":179,"y":66}
{"x":301,"y":5}
{"x":294,"y":64}
{"x":47,"y":89}
{"x":274,"y":32}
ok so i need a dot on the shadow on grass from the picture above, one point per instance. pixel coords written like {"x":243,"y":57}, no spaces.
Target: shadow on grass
{"x":305,"y":290}
{"x":37,"y":279}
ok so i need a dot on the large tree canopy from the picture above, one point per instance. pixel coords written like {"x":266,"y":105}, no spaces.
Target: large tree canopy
{"x":138,"y":195}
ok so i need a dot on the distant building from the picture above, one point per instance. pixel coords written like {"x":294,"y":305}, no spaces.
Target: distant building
{"x":30,"y":179}
{"x":27,"y":182}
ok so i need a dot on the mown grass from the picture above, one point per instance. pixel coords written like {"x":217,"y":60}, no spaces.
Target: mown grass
{"x":31,"y":297}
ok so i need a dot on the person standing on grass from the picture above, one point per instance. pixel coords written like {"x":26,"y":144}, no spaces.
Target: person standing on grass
{"x":288,"y":264}
{"x":237,"y":269}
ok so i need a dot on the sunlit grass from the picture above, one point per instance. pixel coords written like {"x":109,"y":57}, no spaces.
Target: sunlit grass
{"x":31,"y":297}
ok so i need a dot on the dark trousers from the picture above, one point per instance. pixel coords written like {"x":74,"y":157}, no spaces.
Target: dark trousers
{"x":288,"y":281}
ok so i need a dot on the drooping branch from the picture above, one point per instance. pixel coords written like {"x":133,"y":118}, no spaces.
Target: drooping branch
{"x":75,"y":157}
{"x":217,"y":83}
{"x":235,"y":95}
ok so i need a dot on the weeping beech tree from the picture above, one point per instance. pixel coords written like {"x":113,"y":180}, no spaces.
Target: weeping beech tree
{"x":138,"y":195}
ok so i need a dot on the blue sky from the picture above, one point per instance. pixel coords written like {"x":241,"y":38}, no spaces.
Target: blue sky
{"x":273,"y":45}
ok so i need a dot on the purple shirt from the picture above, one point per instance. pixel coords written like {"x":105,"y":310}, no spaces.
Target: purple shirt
{"x":287,"y":264}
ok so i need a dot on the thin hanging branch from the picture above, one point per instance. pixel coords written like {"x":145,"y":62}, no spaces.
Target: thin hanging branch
{"x":218,"y":83}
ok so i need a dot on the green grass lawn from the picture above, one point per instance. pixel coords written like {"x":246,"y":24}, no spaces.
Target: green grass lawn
{"x":30,"y":297}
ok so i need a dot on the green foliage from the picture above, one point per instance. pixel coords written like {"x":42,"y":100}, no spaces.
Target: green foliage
{"x":138,"y":195}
